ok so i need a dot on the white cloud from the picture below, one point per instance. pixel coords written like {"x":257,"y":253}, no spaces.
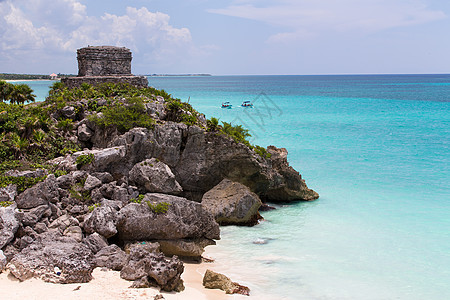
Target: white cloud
{"x":306,"y":18}
{"x":62,"y":26}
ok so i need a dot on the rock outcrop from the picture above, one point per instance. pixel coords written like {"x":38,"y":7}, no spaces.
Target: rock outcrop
{"x":184,"y":219}
{"x":148,"y":268}
{"x":131,"y":197}
{"x":49,"y":252}
{"x":232,"y":203}
{"x":213,"y":280}
{"x":8,"y":224}
{"x":154,"y":176}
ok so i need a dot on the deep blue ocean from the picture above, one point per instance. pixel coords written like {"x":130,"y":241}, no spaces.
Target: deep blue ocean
{"x":377,"y":150}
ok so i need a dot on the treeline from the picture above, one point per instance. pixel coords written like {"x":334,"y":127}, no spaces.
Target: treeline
{"x":16,"y":93}
{"x":9,"y":76}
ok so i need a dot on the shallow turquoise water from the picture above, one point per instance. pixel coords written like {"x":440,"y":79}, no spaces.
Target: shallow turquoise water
{"x":40,"y":87}
{"x":377,"y":149}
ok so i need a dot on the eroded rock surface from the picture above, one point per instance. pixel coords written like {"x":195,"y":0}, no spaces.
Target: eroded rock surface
{"x":145,"y":266}
{"x":183,"y":219}
{"x":232,"y":203}
{"x":52,"y":250}
{"x":213,"y":280}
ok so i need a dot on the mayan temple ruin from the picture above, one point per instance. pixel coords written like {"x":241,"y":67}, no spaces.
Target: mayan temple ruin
{"x":100,"y":64}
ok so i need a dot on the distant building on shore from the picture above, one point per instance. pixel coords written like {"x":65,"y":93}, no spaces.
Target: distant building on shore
{"x":100,"y":64}
{"x":53,"y":76}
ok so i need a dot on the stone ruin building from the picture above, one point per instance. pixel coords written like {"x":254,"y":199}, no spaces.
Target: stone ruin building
{"x":100,"y":64}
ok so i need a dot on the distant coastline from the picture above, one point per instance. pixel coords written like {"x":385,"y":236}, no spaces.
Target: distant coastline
{"x":177,"y":75}
{"x":22,"y":77}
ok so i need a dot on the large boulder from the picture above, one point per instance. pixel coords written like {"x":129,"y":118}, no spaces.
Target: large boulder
{"x":186,"y":249}
{"x":232,"y":203}
{"x":53,"y":258}
{"x":8,"y":224}
{"x":40,"y":194}
{"x":34,"y":215}
{"x":183,"y":219}
{"x":111,"y":257}
{"x":154,"y":176}
{"x":153,"y":268}
{"x":95,"y":242}
{"x":213,"y":280}
{"x":102,"y":220}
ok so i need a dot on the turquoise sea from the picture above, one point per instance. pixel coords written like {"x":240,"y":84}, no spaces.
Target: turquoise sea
{"x":377,"y":150}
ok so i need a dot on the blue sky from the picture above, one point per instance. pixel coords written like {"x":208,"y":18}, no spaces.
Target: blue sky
{"x":231,"y":37}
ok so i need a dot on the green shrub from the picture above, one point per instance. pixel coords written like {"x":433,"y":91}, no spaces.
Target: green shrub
{"x":22,"y":183}
{"x":262,"y":151}
{"x":160,"y":208}
{"x":212,"y":124}
{"x":77,"y":192}
{"x":92,"y":207}
{"x":124,"y":116}
{"x":6,"y":203}
{"x":65,"y":125}
{"x":84,"y":159}
{"x":138,"y":199}
{"x":237,"y":132}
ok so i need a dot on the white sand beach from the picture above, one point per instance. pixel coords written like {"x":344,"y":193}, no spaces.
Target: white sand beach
{"x":107,"y":285}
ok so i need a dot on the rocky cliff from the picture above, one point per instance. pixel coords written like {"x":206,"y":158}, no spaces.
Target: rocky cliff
{"x":135,"y":188}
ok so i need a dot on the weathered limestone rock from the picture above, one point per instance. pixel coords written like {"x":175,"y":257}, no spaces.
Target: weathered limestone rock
{"x":232,"y":203}
{"x":84,"y":133}
{"x":154,"y":268}
{"x":111,"y":257}
{"x":104,"y":177}
{"x":209,"y":157}
{"x":29,"y":173}
{"x":68,"y":112}
{"x":91,"y":183}
{"x":8,"y":193}
{"x":213,"y":280}
{"x":63,"y":222}
{"x":3,"y":261}
{"x":8,"y":224}
{"x":52,"y":250}
{"x":102,"y":220}
{"x":154,"y":176}
{"x":65,"y":181}
{"x":34,"y":215}
{"x":183,"y":219}
{"x":74,"y":232}
{"x":104,"y":159}
{"x":40,"y":194}
{"x":95,"y":242}
{"x":186,"y":249}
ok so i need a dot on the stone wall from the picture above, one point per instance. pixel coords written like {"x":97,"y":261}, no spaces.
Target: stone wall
{"x":104,"y":61}
{"x":104,"y":64}
{"x":75,"y":82}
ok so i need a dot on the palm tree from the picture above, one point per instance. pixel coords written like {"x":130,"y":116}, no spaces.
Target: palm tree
{"x":6,"y":89}
{"x":22,"y":93}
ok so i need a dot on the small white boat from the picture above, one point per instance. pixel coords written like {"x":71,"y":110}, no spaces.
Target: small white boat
{"x":247,"y":104}
{"x":226,"y":105}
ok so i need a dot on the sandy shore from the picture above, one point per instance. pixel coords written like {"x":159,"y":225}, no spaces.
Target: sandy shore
{"x":107,"y":284}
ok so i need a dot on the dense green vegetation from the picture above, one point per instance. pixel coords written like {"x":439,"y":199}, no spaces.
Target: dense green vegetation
{"x":84,"y":160}
{"x":16,"y":93}
{"x":32,"y":134}
{"x":11,"y":76}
